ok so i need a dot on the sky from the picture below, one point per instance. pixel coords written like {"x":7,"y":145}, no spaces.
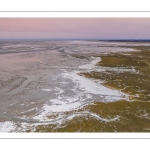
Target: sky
{"x":74,"y":28}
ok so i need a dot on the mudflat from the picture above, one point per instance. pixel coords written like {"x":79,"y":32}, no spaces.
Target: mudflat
{"x":74,"y":86}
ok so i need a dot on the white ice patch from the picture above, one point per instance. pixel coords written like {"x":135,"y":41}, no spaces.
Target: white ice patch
{"x":7,"y":126}
{"x":90,"y":86}
{"x":47,"y":90}
{"x":92,"y":64}
{"x":83,"y":92}
{"x":27,"y":111}
{"x":63,"y":104}
{"x":62,"y":118}
{"x":49,"y":109}
{"x":114,"y":69}
{"x":92,"y":115}
{"x":58,"y":90}
{"x":92,"y":67}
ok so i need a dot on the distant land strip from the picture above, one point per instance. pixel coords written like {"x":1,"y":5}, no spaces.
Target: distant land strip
{"x":76,"y":11}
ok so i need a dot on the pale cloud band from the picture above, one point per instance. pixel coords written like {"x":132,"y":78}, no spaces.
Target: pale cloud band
{"x":74,"y":28}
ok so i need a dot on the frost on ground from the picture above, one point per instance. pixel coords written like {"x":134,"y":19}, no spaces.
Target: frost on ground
{"x":66,"y":89}
{"x":7,"y":126}
{"x":78,"y":93}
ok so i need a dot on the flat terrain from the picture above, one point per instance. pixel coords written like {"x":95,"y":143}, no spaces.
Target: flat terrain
{"x":74,"y":86}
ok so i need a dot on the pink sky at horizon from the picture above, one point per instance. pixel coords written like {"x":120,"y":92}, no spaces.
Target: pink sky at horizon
{"x":75,"y":28}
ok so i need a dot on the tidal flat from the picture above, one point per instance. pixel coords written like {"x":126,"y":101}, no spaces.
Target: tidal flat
{"x":74,"y":86}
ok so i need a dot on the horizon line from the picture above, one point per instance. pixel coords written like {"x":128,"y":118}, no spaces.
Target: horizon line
{"x":77,"y":39}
